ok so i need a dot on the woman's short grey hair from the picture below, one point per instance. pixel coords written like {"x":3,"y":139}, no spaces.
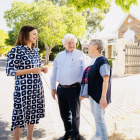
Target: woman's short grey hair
{"x":68,"y":37}
{"x":99,"y":43}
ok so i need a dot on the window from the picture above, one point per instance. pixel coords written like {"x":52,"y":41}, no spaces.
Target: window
{"x":113,"y":51}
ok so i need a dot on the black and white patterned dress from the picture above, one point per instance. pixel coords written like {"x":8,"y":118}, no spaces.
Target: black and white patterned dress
{"x":29,"y":101}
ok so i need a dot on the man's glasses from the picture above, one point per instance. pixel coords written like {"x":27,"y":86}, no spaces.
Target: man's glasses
{"x":69,"y":43}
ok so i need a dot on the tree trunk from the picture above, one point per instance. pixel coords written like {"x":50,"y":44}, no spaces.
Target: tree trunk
{"x":47,"y":56}
{"x":80,"y":46}
{"x":48,"y":51}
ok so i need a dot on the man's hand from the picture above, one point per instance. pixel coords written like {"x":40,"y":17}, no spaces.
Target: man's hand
{"x":81,"y":98}
{"x":44,"y":69}
{"x":54,"y":92}
{"x":103,"y":103}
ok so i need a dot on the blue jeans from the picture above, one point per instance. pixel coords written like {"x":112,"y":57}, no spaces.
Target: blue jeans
{"x":99,"y":113}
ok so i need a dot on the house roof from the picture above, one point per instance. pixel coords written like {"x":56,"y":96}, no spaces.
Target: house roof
{"x":125,"y":17}
{"x":115,"y":18}
{"x":113,"y":33}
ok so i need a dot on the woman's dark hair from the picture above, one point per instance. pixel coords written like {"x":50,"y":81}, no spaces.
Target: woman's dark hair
{"x":23,"y":36}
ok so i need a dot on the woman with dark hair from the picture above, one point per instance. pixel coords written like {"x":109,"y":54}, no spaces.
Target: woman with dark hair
{"x":24,"y":63}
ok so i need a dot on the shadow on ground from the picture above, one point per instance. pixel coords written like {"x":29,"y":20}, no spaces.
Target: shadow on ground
{"x":81,"y":138}
{"x":118,"y":136}
{"x":38,"y":133}
{"x":2,"y":64}
{"x":6,"y":134}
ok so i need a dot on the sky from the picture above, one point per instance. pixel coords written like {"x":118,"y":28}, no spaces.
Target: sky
{"x":112,"y":19}
{"x":6,"y":5}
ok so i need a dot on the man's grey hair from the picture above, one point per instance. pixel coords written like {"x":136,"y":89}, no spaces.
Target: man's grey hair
{"x":68,"y":37}
{"x":100,"y":44}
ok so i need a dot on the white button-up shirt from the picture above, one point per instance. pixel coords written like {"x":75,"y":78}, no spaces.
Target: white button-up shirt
{"x":68,"y":68}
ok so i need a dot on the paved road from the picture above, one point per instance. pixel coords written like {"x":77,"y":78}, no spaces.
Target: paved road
{"x":49,"y":128}
{"x":2,"y":64}
{"x":125,"y":99}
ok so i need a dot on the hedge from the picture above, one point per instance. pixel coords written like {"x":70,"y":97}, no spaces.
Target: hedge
{"x":110,"y":61}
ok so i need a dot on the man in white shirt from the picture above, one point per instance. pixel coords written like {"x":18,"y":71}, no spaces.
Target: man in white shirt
{"x":67,"y":71}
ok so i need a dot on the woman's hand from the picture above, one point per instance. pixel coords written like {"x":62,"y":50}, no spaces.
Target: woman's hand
{"x":36,"y":70}
{"x":103,"y":103}
{"x":44,"y":69}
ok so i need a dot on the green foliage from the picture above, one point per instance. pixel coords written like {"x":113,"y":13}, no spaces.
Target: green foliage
{"x":55,"y":55}
{"x":126,"y":4}
{"x":74,"y":21}
{"x":93,"y":16}
{"x":58,"y":2}
{"x":42,"y":54}
{"x":110,"y":62}
{"x":85,"y":4}
{"x":101,"y":4}
{"x":3,"y":36}
{"x":52,"y":21}
{"x":4,"y":48}
{"x":50,"y":26}
{"x":94,"y":19}
{"x":57,"y":49}
{"x":18,"y":16}
{"x":41,"y":46}
{"x":11,"y":38}
{"x":78,"y":45}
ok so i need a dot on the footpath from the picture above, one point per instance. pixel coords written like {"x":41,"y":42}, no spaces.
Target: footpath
{"x":122,"y":115}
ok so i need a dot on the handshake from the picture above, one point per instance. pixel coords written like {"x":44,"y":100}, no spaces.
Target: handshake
{"x":37,"y":70}
{"x":44,"y":69}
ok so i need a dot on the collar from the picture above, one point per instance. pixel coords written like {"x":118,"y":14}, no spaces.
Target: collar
{"x":27,"y":48}
{"x":70,"y":52}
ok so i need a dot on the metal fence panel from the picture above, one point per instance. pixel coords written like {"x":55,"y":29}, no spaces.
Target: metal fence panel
{"x":132,"y":59}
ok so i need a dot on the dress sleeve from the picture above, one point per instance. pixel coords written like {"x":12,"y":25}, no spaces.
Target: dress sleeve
{"x":13,"y":60}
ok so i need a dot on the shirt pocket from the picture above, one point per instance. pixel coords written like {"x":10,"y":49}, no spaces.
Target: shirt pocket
{"x":75,"y":64}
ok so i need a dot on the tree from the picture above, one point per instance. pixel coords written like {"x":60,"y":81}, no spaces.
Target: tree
{"x":94,"y":10}
{"x":101,"y":4}
{"x":52,"y":21}
{"x":94,"y":16}
{"x":4,"y":48}
{"x":58,"y":2}
{"x":11,"y":38}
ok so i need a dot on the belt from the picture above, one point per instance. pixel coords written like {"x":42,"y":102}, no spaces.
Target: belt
{"x":70,"y":86}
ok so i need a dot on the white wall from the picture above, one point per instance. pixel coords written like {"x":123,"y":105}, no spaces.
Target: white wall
{"x":119,"y":62}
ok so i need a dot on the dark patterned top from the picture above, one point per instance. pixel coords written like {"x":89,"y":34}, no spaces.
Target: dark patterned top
{"x":97,"y":71}
{"x":29,"y":104}
{"x":84,"y":83}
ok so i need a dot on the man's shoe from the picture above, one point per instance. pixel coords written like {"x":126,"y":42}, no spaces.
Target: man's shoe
{"x":66,"y":136}
{"x":76,"y":138}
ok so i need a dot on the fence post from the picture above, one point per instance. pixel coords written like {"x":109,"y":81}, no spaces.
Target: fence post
{"x":120,"y":59}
